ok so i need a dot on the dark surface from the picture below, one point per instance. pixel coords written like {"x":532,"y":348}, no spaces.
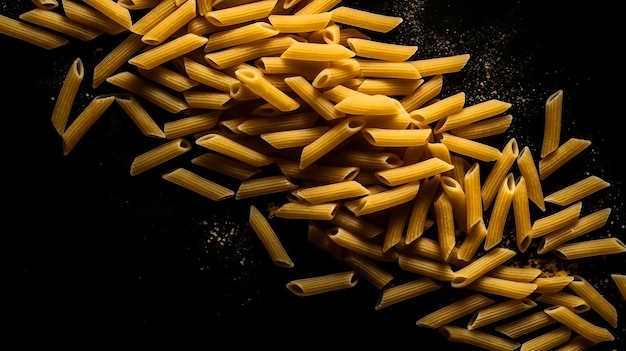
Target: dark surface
{"x":101,"y":255}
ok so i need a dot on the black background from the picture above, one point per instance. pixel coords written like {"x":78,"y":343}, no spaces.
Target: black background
{"x":98,"y":257}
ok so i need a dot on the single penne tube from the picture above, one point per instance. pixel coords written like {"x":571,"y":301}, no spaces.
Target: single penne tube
{"x":31,"y":34}
{"x":113,"y":10}
{"x":168,"y":51}
{"x":396,"y":137}
{"x":168,"y":26}
{"x":397,"y":219}
{"x":259,"y":126}
{"x":319,"y":173}
{"x":233,"y":149}
{"x":354,"y":224}
{"x":552,"y":123}
{"x":502,"y":287}
{"x":421,"y":208}
{"x":238,"y":54}
{"x":116,"y":58}
{"x":316,"y":6}
{"x":548,"y":340}
{"x":473,"y":113}
{"x":208,"y":100}
{"x":169,"y":78}
{"x":562,"y":155}
{"x":368,"y":269}
{"x":313,"y":97}
{"x":434,"y":112}
{"x":239,"y":35}
{"x":481,"y":266}
{"x":477,"y":338}
{"x":500,"y":212}
{"x":456,"y":195}
{"x":266,"y":185}
{"x":159,"y":155}
{"x":561,"y":298}
{"x":436,"y":269}
{"x":191,"y":124}
{"x":579,"y":324}
{"x":198,"y":184}
{"x":360,"y":245}
{"x":472,"y":188}
{"x":557,"y":220}
{"x":454,"y":311}
{"x":441,"y":65}
{"x":424,"y":93}
{"x":293,"y":210}
{"x":584,"y":225}
{"x":577,"y":191}
{"x":46,"y":4}
{"x":276,"y":65}
{"x":367,"y":159}
{"x":406,"y":291}
{"x":149,"y":91}
{"x":472,"y":242}
{"x":84,"y":121}
{"x":354,"y":17}
{"x":260,"y":86}
{"x":485,"y":128}
{"x":336,"y":135}
{"x":598,"y":302}
{"x":422,"y":247}
{"x":323,"y":283}
{"x":528,"y":169}
{"x":389,"y":86}
{"x":590,"y":248}
{"x":244,"y":13}
{"x":155,"y":15}
{"x":300,"y":23}
{"x":316,"y":52}
{"x":552,"y":284}
{"x":620,"y":282}
{"x":138,"y":114}
{"x":60,"y":23}
{"x":381,"y":50}
{"x":226,"y":165}
{"x":204,"y":6}
{"x":413,"y":172}
{"x":375,"y":202}
{"x":444,"y":217}
{"x":525,"y":325}
{"x":67,"y":95}
{"x":294,"y":138}
{"x":91,"y":18}
{"x":388,"y":69}
{"x":340,"y":92}
{"x":338,"y":72}
{"x":264,"y":231}
{"x":332,"y":192}
{"x":521,"y":215}
{"x":498,"y":172}
{"x":499,"y":311}
{"x":470,"y":148}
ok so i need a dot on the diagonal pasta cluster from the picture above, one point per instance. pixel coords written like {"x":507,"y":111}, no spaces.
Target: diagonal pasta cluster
{"x":295,"y":97}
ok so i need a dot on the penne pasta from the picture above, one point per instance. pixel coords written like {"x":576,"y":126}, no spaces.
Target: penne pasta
{"x":252,"y":11}
{"x":364,"y":19}
{"x":113,"y":10}
{"x":444,"y":218}
{"x":116,"y":58}
{"x":84,"y":121}
{"x":396,"y":223}
{"x":321,"y":146}
{"x":548,"y":340}
{"x":323,"y":283}
{"x":170,"y":24}
{"x":436,"y":269}
{"x":476,"y":338}
{"x":556,"y":221}
{"x":577,"y":191}
{"x":485,"y":128}
{"x":65,"y":100}
{"x":31,"y":34}
{"x":331,"y":192}
{"x":300,"y":23}
{"x":577,"y":343}
{"x":434,"y":112}
{"x":316,"y":234}
{"x":597,"y":302}
{"x":481,"y":266}
{"x":473,"y":113}
{"x":561,"y":298}
{"x":276,"y":65}
{"x":500,"y":212}
{"x":502,"y":287}
{"x":456,"y":195}
{"x":388,"y":69}
{"x":168,"y":78}
{"x":620,"y":283}
{"x":562,"y":155}
{"x":316,"y":6}
{"x":470,"y":148}
{"x":378,"y":50}
{"x":423,"y":94}
{"x":454,"y":311}
{"x":260,"y":86}
{"x":238,"y":54}
{"x":359,"y":245}
{"x":579,"y":324}
{"x":293,"y":210}
{"x":474,"y":238}
{"x":499,"y":311}
{"x":208,"y":100}
{"x":294,"y":138}
{"x":421,"y":206}
{"x":313,"y":97}
{"x":226,"y":165}
{"x":155,"y":15}
{"x":521,"y":215}
{"x":337,"y":72}
{"x":233,"y":149}
{"x":316,"y":52}
{"x":528,"y":169}
{"x":138,"y":114}
{"x":90,"y":17}
{"x":269,"y":239}
{"x":238,"y":35}
{"x":441,"y":65}
{"x":472,"y":188}
{"x":368,"y":269}
{"x":375,"y":202}
{"x":552,"y":284}
{"x":46,"y":4}
{"x":584,"y":225}
{"x":355,"y":224}
{"x":590,"y":248}
{"x":501,"y":167}
{"x":159,"y":155}
{"x":264,"y":186}
{"x":149,"y":91}
{"x":260,"y":126}
{"x":396,"y":137}
{"x":405,"y":291}
{"x":198,"y":184}
{"x":526,"y":325}
{"x":552,"y":123}
{"x":168,"y":51}
{"x":60,"y":23}
{"x":191,"y":124}
{"x":413,"y":172}
{"x":318,"y":173}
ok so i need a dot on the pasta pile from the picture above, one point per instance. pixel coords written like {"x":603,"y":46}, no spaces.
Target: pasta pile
{"x":295,"y":97}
